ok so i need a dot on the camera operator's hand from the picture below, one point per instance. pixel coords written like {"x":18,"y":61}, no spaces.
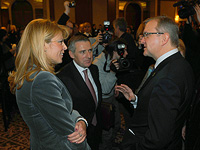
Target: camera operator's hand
{"x":114,"y":65}
{"x":111,"y":33}
{"x":99,"y":37}
{"x":67,"y":9}
{"x":197,"y":9}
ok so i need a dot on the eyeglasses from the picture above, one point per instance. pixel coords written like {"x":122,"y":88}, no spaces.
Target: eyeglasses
{"x":146,"y":34}
{"x":60,"y":42}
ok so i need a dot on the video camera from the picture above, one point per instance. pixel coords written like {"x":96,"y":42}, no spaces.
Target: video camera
{"x":124,"y":63}
{"x":72,"y":4}
{"x":106,"y":37}
{"x":186,"y":8}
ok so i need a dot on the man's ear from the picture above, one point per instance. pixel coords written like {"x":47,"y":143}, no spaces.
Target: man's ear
{"x":71,"y":54}
{"x":165,"y":38}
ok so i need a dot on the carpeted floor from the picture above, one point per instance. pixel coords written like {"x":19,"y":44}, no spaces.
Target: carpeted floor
{"x":17,"y":136}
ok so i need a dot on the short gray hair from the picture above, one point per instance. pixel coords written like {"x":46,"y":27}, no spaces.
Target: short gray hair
{"x":74,"y":39}
{"x":167,"y":25}
{"x":121,"y":23}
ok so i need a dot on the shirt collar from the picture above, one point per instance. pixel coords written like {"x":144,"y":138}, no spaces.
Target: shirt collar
{"x":80,"y":69}
{"x":164,"y":56}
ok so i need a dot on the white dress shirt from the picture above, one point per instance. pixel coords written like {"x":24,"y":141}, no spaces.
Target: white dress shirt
{"x":81,"y":69}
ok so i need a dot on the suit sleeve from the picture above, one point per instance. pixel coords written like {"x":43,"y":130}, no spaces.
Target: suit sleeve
{"x":63,"y":19}
{"x":47,"y":98}
{"x":163,"y":110}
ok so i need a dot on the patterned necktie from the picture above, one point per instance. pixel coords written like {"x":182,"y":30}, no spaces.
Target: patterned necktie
{"x":89,"y":84}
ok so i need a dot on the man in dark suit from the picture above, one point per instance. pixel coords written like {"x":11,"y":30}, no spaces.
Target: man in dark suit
{"x":88,"y":105}
{"x":164,"y":99}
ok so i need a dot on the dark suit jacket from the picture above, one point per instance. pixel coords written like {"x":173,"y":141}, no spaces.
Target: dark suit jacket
{"x":83,"y":101}
{"x":163,"y":103}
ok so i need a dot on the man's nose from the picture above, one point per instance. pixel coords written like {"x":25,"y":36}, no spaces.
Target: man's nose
{"x":89,"y":54}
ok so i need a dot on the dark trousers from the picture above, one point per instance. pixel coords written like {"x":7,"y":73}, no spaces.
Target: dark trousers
{"x":93,"y":136}
{"x":108,"y":136}
{"x":129,"y":142}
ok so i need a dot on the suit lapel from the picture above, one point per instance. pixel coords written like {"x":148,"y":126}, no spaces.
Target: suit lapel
{"x":78,"y":80}
{"x":160,"y":67}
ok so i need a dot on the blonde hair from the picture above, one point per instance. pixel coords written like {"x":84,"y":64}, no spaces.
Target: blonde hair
{"x":140,"y":30}
{"x":181,"y":47}
{"x":31,"y":51}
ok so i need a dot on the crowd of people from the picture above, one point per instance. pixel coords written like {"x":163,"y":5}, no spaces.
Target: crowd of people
{"x":71,"y":86}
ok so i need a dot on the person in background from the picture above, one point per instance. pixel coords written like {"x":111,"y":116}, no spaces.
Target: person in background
{"x":81,"y":28}
{"x":75,"y":28}
{"x":164,"y":99}
{"x":39,"y":92}
{"x":100,"y":28}
{"x":88,"y":29}
{"x":132,"y":76}
{"x":7,"y":64}
{"x":12,"y":34}
{"x":128,"y":30}
{"x":191,"y":39}
{"x":181,"y":47}
{"x":94,"y":30}
{"x":81,"y":78}
{"x":120,"y":26}
{"x":64,"y":20}
{"x":107,"y":75}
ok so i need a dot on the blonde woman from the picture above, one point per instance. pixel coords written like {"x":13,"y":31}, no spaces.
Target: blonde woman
{"x":44,"y":102}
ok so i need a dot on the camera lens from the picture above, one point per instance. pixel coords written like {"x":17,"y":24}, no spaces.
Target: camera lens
{"x":124,"y":63}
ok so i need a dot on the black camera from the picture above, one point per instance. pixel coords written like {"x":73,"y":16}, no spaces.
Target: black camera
{"x":186,"y":8}
{"x":124,"y":63}
{"x":106,"y":37}
{"x":72,"y":4}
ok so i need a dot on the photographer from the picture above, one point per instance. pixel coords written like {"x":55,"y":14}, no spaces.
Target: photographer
{"x":102,"y":39}
{"x":108,"y":64}
{"x":120,"y":26}
{"x":97,"y":47}
{"x":191,"y":38}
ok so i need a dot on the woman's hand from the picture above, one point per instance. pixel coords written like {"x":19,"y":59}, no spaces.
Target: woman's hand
{"x":79,"y":135}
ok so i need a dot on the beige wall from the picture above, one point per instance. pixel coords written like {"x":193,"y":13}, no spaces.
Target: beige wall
{"x":99,"y":11}
{"x":166,"y":8}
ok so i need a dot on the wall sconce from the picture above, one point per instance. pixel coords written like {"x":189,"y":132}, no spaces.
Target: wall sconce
{"x":176,"y":18}
{"x":5,"y":5}
{"x":121,"y":5}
